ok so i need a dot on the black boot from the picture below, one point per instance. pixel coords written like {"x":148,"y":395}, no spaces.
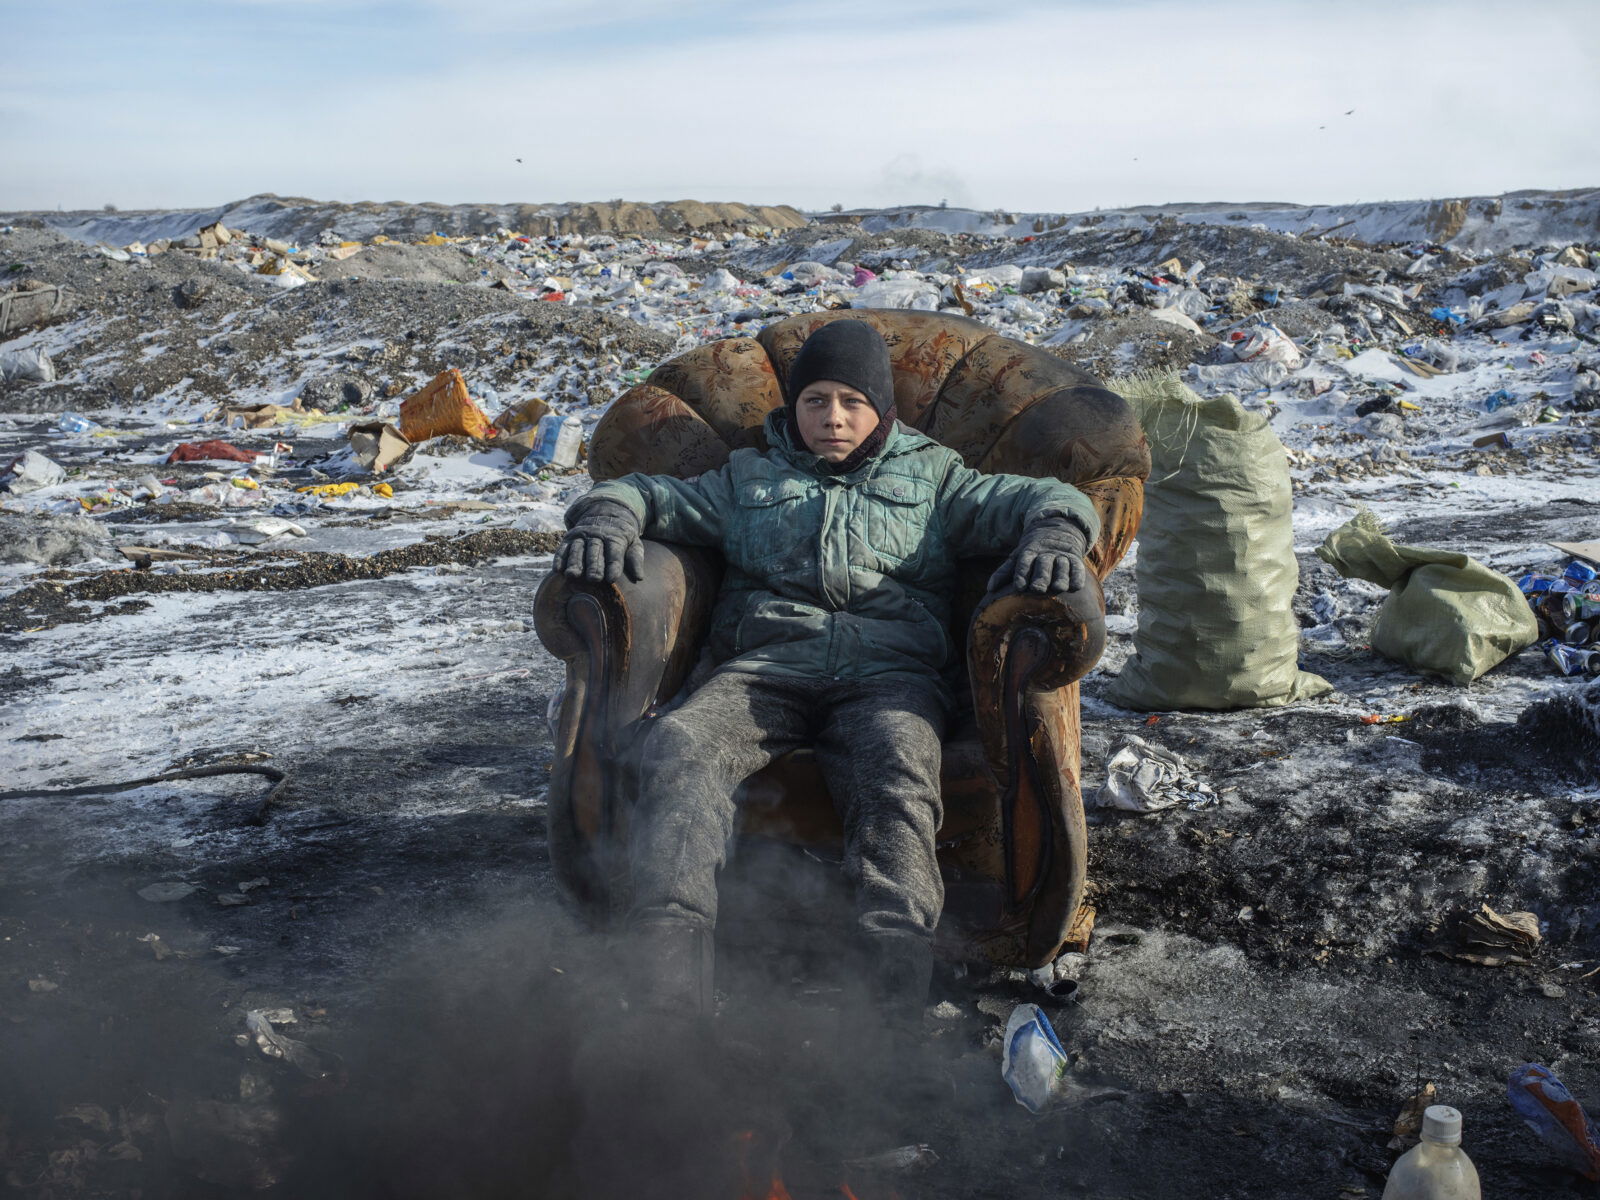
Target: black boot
{"x":900,"y":966}
{"x":671,"y":960}
{"x":905,"y":1072}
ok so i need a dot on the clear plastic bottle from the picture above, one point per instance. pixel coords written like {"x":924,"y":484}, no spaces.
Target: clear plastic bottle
{"x":1436,"y":1168}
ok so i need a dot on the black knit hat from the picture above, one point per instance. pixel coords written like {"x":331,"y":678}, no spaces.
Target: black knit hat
{"x":849,"y":352}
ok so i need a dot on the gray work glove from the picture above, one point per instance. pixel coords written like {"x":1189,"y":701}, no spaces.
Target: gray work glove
{"x":1048,"y":559}
{"x":602,"y":543}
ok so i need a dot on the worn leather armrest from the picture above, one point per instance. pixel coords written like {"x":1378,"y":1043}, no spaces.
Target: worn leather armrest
{"x":1067,"y":634}
{"x":648,"y":633}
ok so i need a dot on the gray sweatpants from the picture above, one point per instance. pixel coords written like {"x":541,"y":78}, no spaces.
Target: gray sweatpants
{"x":878,"y":745}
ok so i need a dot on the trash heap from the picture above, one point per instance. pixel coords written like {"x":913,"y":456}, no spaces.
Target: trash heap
{"x":1416,"y":364}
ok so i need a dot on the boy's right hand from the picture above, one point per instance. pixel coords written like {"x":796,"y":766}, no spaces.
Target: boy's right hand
{"x":602,"y":544}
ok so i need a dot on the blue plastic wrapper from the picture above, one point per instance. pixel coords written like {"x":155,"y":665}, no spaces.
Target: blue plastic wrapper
{"x":1032,"y":1060}
{"x":1579,"y":572}
{"x":1547,"y":1108}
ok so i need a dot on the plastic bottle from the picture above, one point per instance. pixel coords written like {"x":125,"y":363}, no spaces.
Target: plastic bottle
{"x":567,"y":443}
{"x":1436,"y":1168}
{"x":555,"y":442}
{"x":75,"y":423}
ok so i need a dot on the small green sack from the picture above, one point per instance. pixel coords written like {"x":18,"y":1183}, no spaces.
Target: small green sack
{"x":1216,"y":567}
{"x":1445,"y":613}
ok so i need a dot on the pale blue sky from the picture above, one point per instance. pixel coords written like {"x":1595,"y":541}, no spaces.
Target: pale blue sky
{"x":1029,"y":105}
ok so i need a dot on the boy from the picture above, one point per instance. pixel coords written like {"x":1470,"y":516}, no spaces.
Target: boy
{"x":831,"y":630}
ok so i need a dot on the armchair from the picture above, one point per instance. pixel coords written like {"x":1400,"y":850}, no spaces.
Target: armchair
{"x":1013,"y":846}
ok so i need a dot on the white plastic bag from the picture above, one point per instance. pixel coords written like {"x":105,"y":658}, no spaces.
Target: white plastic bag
{"x":899,"y":292}
{"x":1032,"y":1060}
{"x":24,"y":366}
{"x":1271,"y":344}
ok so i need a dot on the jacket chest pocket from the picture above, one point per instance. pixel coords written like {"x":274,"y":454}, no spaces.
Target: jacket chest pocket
{"x":899,"y":516}
{"x":777,"y":519}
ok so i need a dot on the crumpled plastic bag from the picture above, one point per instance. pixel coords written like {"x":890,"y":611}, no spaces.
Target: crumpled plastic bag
{"x":1141,"y":777}
{"x":31,"y":365}
{"x":30,"y":471}
{"x":442,"y":408}
{"x":899,"y":292}
{"x":1445,"y":613}
{"x":1547,"y":1108}
{"x":1032,"y":1060}
{"x":1268,"y":343}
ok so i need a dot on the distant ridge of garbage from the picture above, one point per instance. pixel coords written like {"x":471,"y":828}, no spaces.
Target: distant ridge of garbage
{"x":1479,"y":223}
{"x":302,"y":221}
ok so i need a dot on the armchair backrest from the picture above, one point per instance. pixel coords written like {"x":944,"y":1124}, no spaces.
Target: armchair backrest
{"x":1003,"y":405}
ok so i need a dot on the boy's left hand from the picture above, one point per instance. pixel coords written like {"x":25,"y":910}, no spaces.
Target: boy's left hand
{"x":1048,"y":559}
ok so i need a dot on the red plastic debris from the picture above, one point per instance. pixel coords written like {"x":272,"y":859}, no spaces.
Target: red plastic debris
{"x":215,"y":449}
{"x":558,"y":297}
{"x":1151,"y":720}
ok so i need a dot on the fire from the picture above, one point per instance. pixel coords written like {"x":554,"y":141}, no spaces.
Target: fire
{"x":775,"y":1189}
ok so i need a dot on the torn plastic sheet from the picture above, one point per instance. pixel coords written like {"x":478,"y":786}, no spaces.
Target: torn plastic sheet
{"x":1141,"y":777}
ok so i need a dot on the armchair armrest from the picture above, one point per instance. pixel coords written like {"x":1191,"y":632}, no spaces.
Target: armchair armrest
{"x":1067,"y":635}
{"x":1025,"y":652}
{"x":627,"y":646}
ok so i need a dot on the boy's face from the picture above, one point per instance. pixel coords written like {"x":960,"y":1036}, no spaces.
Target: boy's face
{"x":833,"y":419}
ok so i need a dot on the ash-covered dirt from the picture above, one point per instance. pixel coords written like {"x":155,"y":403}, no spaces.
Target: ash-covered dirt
{"x":1270,"y":976}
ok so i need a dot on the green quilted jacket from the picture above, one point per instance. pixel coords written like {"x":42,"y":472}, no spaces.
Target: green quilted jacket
{"x":848,"y":576}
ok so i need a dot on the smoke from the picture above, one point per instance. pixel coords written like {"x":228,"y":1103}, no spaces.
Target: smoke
{"x":906,"y":181}
{"x":499,"y":1059}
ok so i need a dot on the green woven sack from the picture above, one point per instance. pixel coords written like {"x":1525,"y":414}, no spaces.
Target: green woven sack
{"x":1216,"y":567}
{"x":1445,"y":613}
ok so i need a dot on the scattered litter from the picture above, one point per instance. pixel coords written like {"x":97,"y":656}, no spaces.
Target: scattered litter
{"x":31,"y":471}
{"x":379,"y":446}
{"x":555,"y":443}
{"x":215,"y":449}
{"x":1408,"y":1125}
{"x":314,"y":1064}
{"x":166,"y":893}
{"x":262,"y":529}
{"x":1490,"y":939}
{"x":257,"y":416}
{"x":42,"y":985}
{"x":1032,"y":1060}
{"x":32,"y":365}
{"x":442,"y":408}
{"x":329,"y":491}
{"x":1547,"y":1108}
{"x":901,"y":1159}
{"x":1142,"y":777}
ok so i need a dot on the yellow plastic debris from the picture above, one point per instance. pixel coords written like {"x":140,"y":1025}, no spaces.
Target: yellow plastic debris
{"x":433,"y":239}
{"x":328,"y":491}
{"x":249,"y":485}
{"x":384,"y":490}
